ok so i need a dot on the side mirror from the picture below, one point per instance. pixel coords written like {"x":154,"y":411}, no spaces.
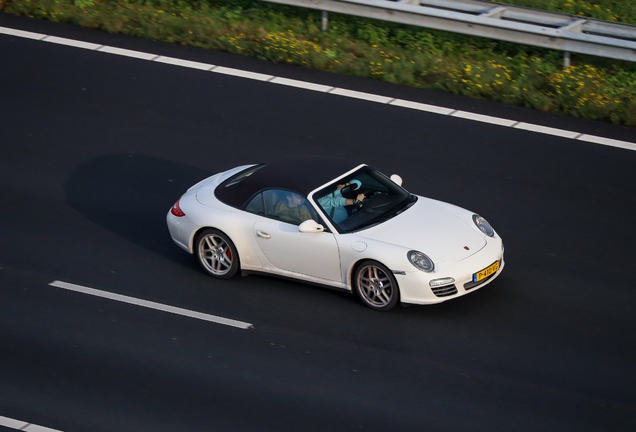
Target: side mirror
{"x":310,"y":226}
{"x":396,"y":179}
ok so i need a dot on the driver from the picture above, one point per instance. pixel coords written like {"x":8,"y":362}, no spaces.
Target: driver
{"x":334,"y":202}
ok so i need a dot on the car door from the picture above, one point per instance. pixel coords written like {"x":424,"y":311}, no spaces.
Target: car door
{"x":311,"y":254}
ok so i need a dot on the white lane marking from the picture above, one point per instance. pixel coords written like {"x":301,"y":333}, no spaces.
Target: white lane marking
{"x":607,"y":142}
{"x":301,"y":84}
{"x":22,"y":33}
{"x":343,"y":92}
{"x":128,"y":53}
{"x":71,"y":42}
{"x":184,"y":63}
{"x":483,"y":118}
{"x":24,"y":426}
{"x":243,"y":74}
{"x":422,"y":107}
{"x":14,"y":424}
{"x":361,"y":95}
{"x":36,"y":428}
{"x":547,"y":130}
{"x":151,"y":305}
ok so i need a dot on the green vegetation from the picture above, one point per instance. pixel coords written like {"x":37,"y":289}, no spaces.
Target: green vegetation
{"x":592,"y":88}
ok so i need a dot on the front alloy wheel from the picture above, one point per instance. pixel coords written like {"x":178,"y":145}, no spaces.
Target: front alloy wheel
{"x":376,"y":286}
{"x":217,"y":254}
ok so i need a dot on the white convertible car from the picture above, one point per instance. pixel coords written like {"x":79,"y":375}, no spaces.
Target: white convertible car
{"x":339,"y":224}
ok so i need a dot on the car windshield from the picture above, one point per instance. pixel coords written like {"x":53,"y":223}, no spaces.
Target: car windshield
{"x":383,"y":200}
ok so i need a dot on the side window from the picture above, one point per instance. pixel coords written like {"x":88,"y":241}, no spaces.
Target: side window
{"x":287,"y":206}
{"x":256,"y":205}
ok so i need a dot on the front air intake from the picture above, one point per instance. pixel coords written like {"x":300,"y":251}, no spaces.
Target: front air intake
{"x":445,"y":291}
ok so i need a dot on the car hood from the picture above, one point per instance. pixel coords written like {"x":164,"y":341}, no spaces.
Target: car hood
{"x":430,"y":227}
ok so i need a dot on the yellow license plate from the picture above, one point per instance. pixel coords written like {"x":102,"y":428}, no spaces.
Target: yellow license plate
{"x":488,"y":271}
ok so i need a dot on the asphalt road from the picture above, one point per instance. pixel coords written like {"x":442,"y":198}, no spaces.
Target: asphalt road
{"x":95,"y":150}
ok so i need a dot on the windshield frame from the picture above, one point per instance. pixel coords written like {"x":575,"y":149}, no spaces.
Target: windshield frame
{"x":390,"y":200}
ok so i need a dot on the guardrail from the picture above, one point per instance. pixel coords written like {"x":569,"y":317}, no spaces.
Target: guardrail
{"x":562,"y":32}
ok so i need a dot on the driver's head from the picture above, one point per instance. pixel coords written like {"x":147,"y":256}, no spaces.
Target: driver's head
{"x":294,"y":200}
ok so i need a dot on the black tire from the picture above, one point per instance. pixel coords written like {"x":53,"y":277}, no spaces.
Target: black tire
{"x":376,"y":286}
{"x":216,"y":254}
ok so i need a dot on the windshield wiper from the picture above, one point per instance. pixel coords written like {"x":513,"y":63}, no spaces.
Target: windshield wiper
{"x":400,"y":208}
{"x":396,"y":210}
{"x":403,"y":206}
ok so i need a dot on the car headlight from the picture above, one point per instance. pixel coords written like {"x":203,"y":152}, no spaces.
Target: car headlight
{"x":421,"y":261}
{"x":483,"y":225}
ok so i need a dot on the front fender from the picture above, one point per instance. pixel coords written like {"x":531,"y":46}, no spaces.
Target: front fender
{"x":355,"y":249}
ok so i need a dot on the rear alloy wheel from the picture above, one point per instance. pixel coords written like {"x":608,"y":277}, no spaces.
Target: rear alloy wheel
{"x":376,"y":286}
{"x":217,"y":254}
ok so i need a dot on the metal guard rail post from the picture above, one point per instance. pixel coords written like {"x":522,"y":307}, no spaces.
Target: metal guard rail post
{"x":562,"y":32}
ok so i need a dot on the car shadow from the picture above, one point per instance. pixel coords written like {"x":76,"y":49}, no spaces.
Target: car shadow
{"x":130,"y":196}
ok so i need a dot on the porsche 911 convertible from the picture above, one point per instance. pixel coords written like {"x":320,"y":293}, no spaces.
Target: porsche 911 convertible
{"x":339,"y":224}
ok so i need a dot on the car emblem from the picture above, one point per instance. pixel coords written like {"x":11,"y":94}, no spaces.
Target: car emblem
{"x":466,"y":247}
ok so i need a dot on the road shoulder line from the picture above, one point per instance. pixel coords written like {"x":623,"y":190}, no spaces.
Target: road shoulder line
{"x":579,"y":136}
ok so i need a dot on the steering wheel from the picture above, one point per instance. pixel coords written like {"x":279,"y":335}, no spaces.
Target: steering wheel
{"x":362,"y":204}
{"x":371,"y":203}
{"x":349,"y":191}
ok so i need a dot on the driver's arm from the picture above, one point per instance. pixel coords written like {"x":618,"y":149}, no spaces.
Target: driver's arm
{"x":359,"y":198}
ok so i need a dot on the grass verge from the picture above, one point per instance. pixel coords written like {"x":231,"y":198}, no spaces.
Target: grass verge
{"x":593,"y":88}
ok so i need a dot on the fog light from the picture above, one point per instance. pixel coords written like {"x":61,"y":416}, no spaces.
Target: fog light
{"x":441,"y":282}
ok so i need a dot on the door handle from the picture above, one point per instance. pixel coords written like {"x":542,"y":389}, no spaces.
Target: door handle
{"x":263,"y":234}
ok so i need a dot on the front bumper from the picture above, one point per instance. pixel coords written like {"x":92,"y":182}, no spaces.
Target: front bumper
{"x":415,"y":288}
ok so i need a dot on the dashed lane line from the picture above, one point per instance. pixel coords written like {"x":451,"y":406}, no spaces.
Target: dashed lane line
{"x":503,"y":122}
{"x":24,"y":426}
{"x":30,"y":427}
{"x":151,"y":305}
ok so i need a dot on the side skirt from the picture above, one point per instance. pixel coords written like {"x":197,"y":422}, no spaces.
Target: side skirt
{"x":261,"y":273}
